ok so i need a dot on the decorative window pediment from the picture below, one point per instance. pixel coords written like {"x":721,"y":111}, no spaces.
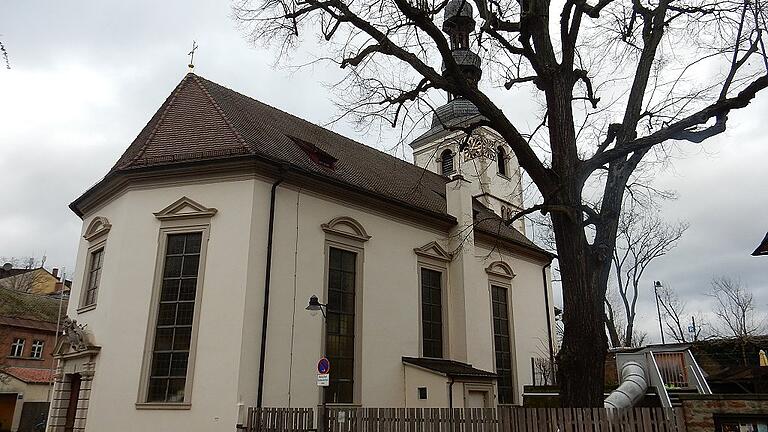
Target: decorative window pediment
{"x":185,"y":208}
{"x":433,"y":250}
{"x":347,"y":227}
{"x":500,"y":269}
{"x":98,"y":227}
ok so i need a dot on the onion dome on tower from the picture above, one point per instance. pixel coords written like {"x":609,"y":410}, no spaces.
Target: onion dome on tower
{"x":458,"y":24}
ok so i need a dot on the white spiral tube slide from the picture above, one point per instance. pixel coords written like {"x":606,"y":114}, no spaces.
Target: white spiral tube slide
{"x":633,"y":386}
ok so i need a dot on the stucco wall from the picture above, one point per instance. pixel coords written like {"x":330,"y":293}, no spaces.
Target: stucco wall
{"x":227,"y":361}
{"x":119,"y":322}
{"x":31,"y":392}
{"x":389,"y":296}
{"x":481,"y":172}
{"x":528,"y":314}
{"x":437,"y":388}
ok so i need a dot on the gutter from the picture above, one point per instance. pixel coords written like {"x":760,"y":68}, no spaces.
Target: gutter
{"x":267,"y":279}
{"x":284,"y":168}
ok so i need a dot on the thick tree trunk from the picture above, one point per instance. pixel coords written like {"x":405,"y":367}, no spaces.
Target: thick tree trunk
{"x":582,"y":356}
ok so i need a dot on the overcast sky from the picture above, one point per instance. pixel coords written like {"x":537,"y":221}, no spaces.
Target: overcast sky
{"x":86,"y":76}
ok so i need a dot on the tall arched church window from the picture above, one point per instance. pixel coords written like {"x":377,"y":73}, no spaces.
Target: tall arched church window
{"x":446,"y":161}
{"x":501,"y":160}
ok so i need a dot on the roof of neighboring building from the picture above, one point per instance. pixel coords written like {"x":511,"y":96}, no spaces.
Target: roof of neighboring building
{"x":722,"y":357}
{"x":30,"y":375}
{"x":12,"y":272}
{"x":451,"y":368}
{"x":204,"y":121}
{"x":21,"y":305}
{"x":762,"y":249}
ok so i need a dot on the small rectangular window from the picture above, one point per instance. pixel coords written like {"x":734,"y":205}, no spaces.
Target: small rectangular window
{"x":17,"y":347}
{"x":173,"y":328}
{"x":422,"y":393}
{"x":94,"y":277}
{"x":501,"y":342}
{"x":340,"y":325}
{"x":37,"y":349}
{"x":432,"y":313}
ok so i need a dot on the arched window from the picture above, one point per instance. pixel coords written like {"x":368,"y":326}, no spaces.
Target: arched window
{"x":446,"y":161}
{"x":501,"y":160}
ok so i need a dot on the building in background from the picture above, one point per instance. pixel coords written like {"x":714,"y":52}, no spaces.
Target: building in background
{"x":33,"y":280}
{"x":28,"y":325}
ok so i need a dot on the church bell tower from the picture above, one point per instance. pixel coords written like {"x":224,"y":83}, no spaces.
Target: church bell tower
{"x":483,"y":158}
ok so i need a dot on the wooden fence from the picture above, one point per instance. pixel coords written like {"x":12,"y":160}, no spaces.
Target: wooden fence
{"x":504,"y":419}
{"x":279,"y":419}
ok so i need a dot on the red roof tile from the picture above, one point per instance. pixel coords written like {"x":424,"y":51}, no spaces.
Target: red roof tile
{"x":30,"y":375}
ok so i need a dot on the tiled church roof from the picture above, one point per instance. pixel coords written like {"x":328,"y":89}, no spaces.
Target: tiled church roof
{"x":204,"y":121}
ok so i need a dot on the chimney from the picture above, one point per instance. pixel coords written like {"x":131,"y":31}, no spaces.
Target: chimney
{"x":458,"y":200}
{"x":55,"y":272}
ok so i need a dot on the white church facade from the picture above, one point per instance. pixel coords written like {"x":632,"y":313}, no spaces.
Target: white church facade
{"x":204,"y":243}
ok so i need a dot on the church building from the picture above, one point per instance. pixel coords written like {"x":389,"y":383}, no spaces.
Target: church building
{"x":203,"y":247}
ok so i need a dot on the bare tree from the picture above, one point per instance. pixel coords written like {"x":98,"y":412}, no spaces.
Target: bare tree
{"x":618,"y":81}
{"x":675,"y":316}
{"x":737,"y":316}
{"x":642,"y":238}
{"x":616,"y":324}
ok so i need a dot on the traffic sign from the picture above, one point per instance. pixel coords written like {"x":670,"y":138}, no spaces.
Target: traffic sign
{"x":323,"y":366}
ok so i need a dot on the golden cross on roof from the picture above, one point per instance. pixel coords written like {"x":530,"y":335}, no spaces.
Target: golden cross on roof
{"x":192,"y":56}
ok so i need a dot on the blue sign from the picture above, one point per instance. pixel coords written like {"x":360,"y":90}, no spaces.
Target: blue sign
{"x":323,"y":366}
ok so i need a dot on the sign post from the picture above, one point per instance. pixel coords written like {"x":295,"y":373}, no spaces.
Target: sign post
{"x":323,"y":380}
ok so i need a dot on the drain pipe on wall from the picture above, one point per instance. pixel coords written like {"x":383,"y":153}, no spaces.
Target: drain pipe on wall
{"x":549,"y":321}
{"x":267,"y":277}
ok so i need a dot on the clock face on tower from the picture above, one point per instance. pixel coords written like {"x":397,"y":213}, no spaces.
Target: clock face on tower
{"x":480,"y":145}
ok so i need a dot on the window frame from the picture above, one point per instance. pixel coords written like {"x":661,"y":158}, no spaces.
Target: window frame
{"x":510,"y":337}
{"x":501,"y":162}
{"x":35,"y":346}
{"x":347,"y":234}
{"x":19,"y":343}
{"x":432,"y":261}
{"x":452,"y":154}
{"x":356,"y":355}
{"x":98,"y":248}
{"x":443,"y":314}
{"x":500,"y":274}
{"x":167,"y":228}
{"x":96,"y":235}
